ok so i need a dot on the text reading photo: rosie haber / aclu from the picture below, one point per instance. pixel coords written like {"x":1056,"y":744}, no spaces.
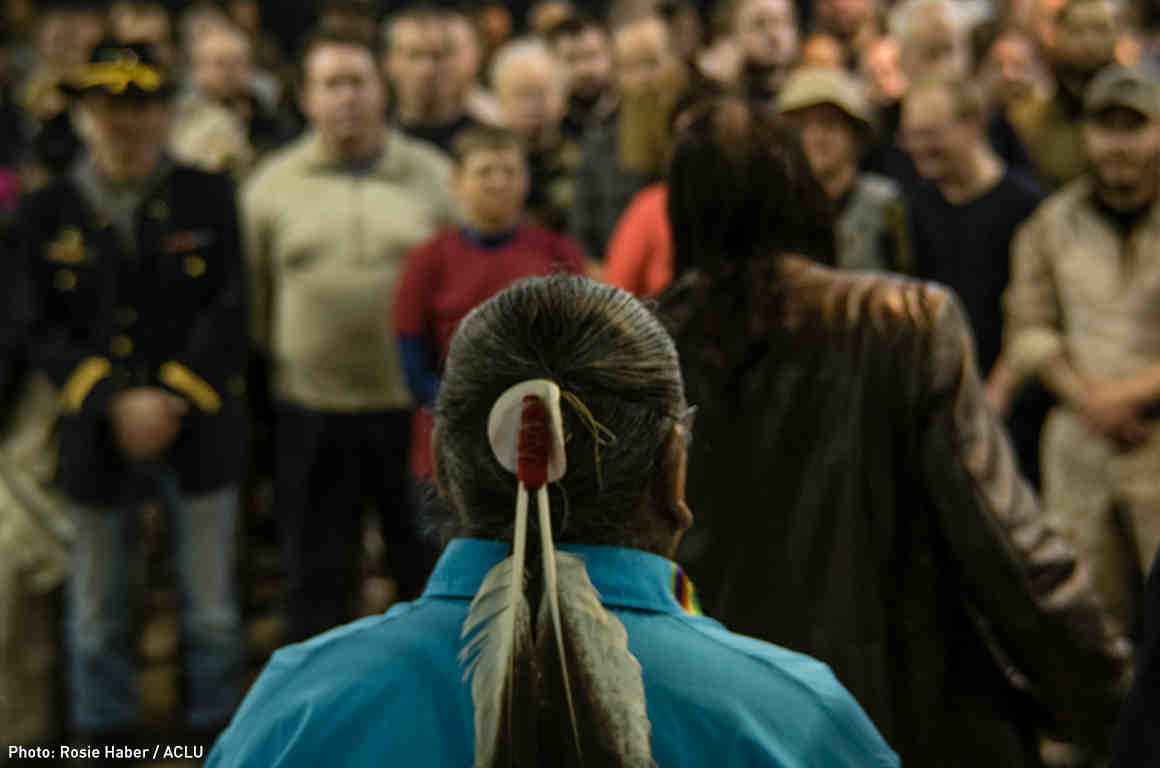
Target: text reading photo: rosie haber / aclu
{"x":108,"y":752}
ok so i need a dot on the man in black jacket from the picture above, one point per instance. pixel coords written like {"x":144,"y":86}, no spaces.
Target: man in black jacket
{"x":139,"y":314}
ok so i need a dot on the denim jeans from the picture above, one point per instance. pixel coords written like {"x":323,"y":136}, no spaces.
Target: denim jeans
{"x":100,"y":625}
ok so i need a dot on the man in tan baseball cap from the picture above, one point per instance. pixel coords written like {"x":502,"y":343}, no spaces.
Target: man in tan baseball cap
{"x":1120,"y":87}
{"x":813,"y":86}
{"x":1081,"y":317}
{"x":835,"y":121}
{"x":1122,"y":136}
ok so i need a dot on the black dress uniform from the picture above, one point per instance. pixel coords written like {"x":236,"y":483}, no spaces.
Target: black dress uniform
{"x":139,"y":283}
{"x":168,"y":311}
{"x":14,"y":319}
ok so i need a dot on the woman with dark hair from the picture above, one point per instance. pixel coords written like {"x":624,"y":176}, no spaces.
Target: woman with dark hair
{"x":640,"y":256}
{"x":567,"y":635}
{"x":858,"y":500}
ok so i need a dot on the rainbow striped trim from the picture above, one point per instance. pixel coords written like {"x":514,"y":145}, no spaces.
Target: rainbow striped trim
{"x":685,"y":592}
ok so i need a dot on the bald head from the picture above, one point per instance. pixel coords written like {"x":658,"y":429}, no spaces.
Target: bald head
{"x":943,"y":124}
{"x":220,"y":58}
{"x":531,"y":87}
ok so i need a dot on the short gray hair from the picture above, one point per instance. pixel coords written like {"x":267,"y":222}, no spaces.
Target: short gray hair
{"x":620,"y":372}
{"x":421,"y":14}
{"x":522,"y":49}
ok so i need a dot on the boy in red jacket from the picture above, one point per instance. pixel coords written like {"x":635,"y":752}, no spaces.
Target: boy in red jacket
{"x":461,"y":267}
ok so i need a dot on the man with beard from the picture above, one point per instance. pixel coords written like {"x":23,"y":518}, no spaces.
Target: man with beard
{"x":1051,"y":127}
{"x":583,"y":46}
{"x":627,"y":153}
{"x":767,"y":35}
{"x":1013,"y":68}
{"x":1083,"y":314}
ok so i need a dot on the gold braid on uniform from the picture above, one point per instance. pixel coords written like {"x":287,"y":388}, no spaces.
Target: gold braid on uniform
{"x":177,"y":376}
{"x":82,"y":380}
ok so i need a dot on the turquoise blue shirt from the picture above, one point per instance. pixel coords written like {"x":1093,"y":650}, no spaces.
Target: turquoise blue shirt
{"x":388,"y":690}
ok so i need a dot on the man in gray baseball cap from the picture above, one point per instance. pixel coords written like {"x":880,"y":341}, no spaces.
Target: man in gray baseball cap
{"x":835,"y":121}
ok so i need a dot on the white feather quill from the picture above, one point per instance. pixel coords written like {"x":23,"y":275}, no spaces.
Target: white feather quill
{"x":499,"y":622}
{"x":614,"y":707}
{"x":552,"y":601}
{"x":590,"y":644}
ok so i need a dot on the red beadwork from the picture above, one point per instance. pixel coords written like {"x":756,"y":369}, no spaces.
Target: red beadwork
{"x":534,"y":444}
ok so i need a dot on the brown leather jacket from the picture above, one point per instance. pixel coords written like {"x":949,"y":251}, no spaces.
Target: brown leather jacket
{"x":857,"y":500}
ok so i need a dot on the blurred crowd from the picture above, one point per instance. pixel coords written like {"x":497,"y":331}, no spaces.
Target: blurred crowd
{"x":238,"y":236}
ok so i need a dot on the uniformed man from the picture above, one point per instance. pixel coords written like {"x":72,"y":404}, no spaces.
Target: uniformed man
{"x":134,"y":267}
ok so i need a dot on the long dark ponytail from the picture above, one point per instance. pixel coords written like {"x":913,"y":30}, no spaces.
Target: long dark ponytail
{"x":741,"y":194}
{"x":740,"y":188}
{"x":622,"y":394}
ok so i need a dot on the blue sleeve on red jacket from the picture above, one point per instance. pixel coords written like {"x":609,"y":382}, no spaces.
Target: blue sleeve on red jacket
{"x":418,"y":357}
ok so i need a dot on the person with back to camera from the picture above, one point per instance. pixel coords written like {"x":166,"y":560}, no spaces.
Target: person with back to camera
{"x":860,"y":500}
{"x":568,"y":392}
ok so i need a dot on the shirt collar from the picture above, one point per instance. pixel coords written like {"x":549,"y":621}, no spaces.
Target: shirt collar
{"x":319,"y":160}
{"x":625,"y":578}
{"x":1149,"y":216}
{"x":490,"y":242}
{"x":113,"y":204}
{"x":86,"y":175}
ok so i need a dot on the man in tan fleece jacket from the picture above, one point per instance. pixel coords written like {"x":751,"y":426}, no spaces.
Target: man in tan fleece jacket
{"x":328,"y":221}
{"x":1083,"y":314}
